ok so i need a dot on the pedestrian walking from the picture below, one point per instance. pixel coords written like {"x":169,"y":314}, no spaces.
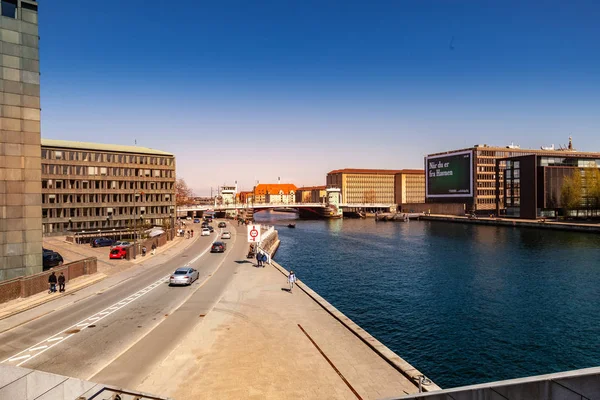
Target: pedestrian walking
{"x":192,"y":233}
{"x":153,"y":248}
{"x":144,"y":251}
{"x":52,"y":283}
{"x":61,"y":282}
{"x":264,"y":259}
{"x":258,"y":259}
{"x":291,"y":280}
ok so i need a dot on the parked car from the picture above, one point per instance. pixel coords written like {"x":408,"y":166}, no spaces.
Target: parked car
{"x":218,"y":247}
{"x":205,"y":232}
{"x":102,"y":242}
{"x":196,"y":220}
{"x":188,"y":218}
{"x":222,"y":225}
{"x":121,"y":243}
{"x":184,"y":276}
{"x":118,"y":252}
{"x":51,"y":259}
{"x":226,"y":235}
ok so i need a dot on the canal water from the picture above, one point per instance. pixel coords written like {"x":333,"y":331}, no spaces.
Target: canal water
{"x":462,"y":303}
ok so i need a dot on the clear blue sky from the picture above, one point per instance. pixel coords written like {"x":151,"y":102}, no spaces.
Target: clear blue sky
{"x":255,"y":90}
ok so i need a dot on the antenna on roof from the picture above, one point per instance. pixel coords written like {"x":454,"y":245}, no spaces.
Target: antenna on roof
{"x":135,"y":141}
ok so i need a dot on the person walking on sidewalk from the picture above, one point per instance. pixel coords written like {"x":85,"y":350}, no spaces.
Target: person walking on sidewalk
{"x":61,"y":282}
{"x":291,"y":280}
{"x":258,"y":259}
{"x":153,"y":248}
{"x":264,"y":259}
{"x":52,"y":283}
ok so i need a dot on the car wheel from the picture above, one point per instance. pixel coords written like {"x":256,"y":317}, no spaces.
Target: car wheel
{"x":60,"y":263}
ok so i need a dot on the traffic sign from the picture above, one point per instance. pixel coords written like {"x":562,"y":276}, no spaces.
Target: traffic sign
{"x":253,"y":233}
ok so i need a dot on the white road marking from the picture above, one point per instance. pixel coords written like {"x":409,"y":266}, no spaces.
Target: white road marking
{"x":46,"y":344}
{"x":20,"y":358}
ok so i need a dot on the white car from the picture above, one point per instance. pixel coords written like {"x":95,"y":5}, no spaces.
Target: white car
{"x":205,"y":232}
{"x":226,"y":235}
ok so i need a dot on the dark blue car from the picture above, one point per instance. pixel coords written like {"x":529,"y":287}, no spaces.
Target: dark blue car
{"x":102,"y":242}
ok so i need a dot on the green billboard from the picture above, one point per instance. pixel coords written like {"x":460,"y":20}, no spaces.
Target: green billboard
{"x":449,"y":175}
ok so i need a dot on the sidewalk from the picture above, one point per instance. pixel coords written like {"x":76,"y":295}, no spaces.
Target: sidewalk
{"x":262,"y":342}
{"x":25,"y":303}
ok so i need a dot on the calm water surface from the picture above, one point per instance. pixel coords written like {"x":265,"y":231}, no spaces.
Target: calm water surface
{"x":464,"y":304}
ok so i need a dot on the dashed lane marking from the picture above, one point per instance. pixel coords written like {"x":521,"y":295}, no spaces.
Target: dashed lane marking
{"x":47,"y":344}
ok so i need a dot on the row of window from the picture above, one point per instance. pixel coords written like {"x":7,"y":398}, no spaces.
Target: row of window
{"x":52,"y":169}
{"x":106,"y":185}
{"x":51,"y":198}
{"x":49,"y":228}
{"x":108,"y":213}
{"x":86,"y":156}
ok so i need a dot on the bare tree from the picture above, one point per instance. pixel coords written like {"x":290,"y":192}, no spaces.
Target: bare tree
{"x":182,"y":192}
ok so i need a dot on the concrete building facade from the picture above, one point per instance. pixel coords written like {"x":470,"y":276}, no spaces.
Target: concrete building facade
{"x":97,"y":187}
{"x":364,"y":186}
{"x":311,"y":194}
{"x":20,"y":188}
{"x":410,"y":186}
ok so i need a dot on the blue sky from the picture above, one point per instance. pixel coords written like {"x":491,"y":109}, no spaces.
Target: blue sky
{"x":255,"y":90}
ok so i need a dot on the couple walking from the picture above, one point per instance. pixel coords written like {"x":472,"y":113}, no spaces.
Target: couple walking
{"x":261,"y":259}
{"x":53,"y":279}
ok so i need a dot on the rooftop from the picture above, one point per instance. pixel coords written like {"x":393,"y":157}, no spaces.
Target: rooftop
{"x":274,"y":188}
{"x":377,"y":171}
{"x":67,"y":144}
{"x":313,"y":187}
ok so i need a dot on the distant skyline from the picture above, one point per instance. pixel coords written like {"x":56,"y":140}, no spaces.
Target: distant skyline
{"x":258,"y":90}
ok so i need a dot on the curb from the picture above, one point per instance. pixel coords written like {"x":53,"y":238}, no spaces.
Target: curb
{"x":382,"y":350}
{"x":47,"y":300}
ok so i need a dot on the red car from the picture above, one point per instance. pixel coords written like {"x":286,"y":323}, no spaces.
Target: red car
{"x":118,"y":253}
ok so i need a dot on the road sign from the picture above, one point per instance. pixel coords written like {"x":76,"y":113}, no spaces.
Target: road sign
{"x":253,"y":233}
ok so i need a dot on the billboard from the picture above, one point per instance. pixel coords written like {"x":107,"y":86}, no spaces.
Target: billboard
{"x":449,"y":175}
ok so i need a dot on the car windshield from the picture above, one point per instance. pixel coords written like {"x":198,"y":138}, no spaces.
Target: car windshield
{"x":115,"y":251}
{"x":181,"y":272}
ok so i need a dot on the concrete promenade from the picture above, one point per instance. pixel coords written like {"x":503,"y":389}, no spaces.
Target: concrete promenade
{"x":261,"y":342}
{"x":516,"y":222}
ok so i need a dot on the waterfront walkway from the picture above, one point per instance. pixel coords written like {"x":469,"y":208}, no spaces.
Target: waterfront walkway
{"x":262,"y":342}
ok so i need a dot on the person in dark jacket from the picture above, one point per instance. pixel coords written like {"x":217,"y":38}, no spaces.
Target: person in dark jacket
{"x":52,"y":283}
{"x":61,"y":282}
{"x":259,"y":259}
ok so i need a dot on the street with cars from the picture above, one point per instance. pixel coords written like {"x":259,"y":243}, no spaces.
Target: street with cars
{"x":90,"y":335}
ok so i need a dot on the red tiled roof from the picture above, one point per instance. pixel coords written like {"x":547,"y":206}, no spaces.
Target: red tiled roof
{"x":274,"y":188}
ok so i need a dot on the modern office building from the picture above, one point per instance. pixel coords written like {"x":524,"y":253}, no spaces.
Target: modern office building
{"x":533,"y":184}
{"x":20,"y":200}
{"x":468,"y":175}
{"x":311,"y":194}
{"x":409,"y":186}
{"x":99,"y":187}
{"x":274,"y":193}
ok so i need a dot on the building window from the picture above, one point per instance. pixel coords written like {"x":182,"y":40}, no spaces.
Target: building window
{"x":9,"y":8}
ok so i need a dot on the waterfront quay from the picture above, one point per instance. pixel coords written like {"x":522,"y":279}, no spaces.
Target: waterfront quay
{"x":520,"y":223}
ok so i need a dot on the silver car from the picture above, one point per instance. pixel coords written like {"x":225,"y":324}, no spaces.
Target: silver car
{"x":226,"y":235}
{"x":183,"y":276}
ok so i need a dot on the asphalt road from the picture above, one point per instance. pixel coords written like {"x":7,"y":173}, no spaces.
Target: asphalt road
{"x":115,"y":335}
